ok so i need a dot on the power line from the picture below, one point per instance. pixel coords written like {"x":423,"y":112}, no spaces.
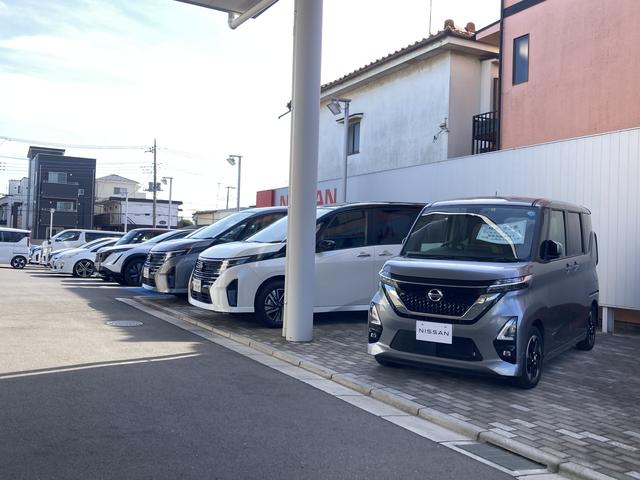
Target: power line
{"x":71,"y":145}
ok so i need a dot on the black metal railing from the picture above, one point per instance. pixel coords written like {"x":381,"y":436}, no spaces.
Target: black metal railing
{"x":486,"y":130}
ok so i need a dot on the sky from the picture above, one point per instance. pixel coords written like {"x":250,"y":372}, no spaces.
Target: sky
{"x":121,"y":73}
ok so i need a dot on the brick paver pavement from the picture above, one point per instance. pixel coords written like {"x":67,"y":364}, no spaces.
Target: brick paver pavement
{"x":586,"y":408}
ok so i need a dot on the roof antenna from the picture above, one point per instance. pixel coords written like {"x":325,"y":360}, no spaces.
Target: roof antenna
{"x":430,"y":11}
{"x":496,"y":193}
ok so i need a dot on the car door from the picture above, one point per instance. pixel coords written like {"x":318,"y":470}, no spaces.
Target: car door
{"x":6,"y":247}
{"x":580,"y":277}
{"x":343,"y":261}
{"x":552,"y":278}
{"x":387,"y":227}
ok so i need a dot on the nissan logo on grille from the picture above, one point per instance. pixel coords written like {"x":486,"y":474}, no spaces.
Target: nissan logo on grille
{"x":435,"y":295}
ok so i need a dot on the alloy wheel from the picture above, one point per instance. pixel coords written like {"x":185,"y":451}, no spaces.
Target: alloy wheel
{"x":274,"y":305}
{"x":84,"y":268}
{"x":18,"y":262}
{"x":533,"y":358}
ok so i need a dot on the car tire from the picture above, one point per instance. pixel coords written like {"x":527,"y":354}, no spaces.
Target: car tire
{"x":18,"y":262}
{"x":269,"y":303}
{"x":132,"y":273}
{"x":83,"y":269}
{"x":590,"y":335}
{"x":533,"y":360}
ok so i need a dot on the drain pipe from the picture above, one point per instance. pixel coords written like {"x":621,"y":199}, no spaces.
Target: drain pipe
{"x":236,"y":20}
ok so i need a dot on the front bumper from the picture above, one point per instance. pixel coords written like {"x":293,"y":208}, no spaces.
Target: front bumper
{"x":172,"y":276}
{"x":472,"y":348}
{"x":105,"y":273}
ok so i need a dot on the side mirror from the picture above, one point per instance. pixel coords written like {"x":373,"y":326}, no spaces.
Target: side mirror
{"x":326,"y":245}
{"x":550,"y":250}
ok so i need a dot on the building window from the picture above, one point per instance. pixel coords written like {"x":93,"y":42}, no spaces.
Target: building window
{"x":119,"y":191}
{"x":354,"y":138}
{"x":521,"y":59}
{"x":57,"y":177}
{"x":65,"y":207}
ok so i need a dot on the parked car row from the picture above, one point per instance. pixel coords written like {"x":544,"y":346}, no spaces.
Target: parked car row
{"x":491,"y":285}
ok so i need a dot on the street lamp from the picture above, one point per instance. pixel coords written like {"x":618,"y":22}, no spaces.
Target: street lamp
{"x":164,"y":180}
{"x":232,"y":161}
{"x":336,"y":107}
{"x":51,"y":212}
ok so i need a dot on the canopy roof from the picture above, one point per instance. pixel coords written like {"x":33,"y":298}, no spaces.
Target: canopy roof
{"x":230,"y":6}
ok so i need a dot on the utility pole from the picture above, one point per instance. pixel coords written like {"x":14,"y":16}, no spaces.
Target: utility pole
{"x":126,"y":209}
{"x":228,"y":188}
{"x":164,"y":180}
{"x":155,"y":183}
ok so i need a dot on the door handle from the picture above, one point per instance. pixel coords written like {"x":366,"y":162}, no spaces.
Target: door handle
{"x":363,"y":254}
{"x":385,"y":253}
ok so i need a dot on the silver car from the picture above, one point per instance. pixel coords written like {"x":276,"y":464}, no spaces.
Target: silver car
{"x":493,"y":285}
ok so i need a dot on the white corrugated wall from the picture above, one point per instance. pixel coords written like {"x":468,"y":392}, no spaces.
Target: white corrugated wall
{"x":601,"y":172}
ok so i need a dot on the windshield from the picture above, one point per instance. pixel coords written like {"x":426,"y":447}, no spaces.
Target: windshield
{"x":477,"y":233}
{"x":93,"y":242}
{"x":165,"y":236}
{"x":216,"y":229}
{"x":277,"y":231}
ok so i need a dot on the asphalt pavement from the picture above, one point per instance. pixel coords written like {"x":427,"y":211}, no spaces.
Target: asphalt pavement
{"x":81,"y":399}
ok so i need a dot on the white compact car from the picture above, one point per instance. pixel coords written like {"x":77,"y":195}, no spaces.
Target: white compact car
{"x":80,"y":262}
{"x":15,"y":245}
{"x":353,"y":242}
{"x":124,"y":263}
{"x":72,"y":239}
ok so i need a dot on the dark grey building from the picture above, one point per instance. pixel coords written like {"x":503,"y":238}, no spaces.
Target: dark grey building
{"x":64,"y":184}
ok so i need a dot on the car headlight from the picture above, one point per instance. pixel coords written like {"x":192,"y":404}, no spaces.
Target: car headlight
{"x":509,"y":284}
{"x":176,"y":253}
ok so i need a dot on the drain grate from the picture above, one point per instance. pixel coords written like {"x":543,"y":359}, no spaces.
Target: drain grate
{"x":499,"y":456}
{"x":124,"y":323}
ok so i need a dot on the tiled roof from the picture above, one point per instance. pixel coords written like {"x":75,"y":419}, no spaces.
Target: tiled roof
{"x":447,"y":32}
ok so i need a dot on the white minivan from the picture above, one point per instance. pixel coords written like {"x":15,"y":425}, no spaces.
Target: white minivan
{"x":72,"y":239}
{"x":14,"y":246}
{"x":353,"y":242}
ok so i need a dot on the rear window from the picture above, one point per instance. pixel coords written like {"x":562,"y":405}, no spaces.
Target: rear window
{"x":12,"y":237}
{"x":574,"y":234}
{"x":586,"y":231}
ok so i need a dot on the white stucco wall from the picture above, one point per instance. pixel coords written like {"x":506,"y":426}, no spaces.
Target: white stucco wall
{"x":104,"y":189}
{"x":490,"y":70}
{"x":464,"y":102}
{"x":411,"y":103}
{"x":600,"y":172}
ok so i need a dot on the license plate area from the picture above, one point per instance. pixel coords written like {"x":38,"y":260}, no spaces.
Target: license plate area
{"x":196,"y":285}
{"x":146,"y":273}
{"x":434,"y":332}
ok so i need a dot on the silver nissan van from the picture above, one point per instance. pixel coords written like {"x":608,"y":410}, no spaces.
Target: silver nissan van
{"x":493,"y":285}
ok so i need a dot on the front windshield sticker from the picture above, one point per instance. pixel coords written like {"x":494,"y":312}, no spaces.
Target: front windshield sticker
{"x":504,"y":233}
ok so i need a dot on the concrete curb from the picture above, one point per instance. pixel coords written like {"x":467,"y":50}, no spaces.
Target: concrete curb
{"x":552,"y":462}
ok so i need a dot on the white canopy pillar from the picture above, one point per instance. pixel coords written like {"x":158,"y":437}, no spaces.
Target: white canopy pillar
{"x":303,"y":172}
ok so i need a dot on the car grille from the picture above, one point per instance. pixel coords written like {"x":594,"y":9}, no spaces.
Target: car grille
{"x":456,"y":300}
{"x":153,"y":263}
{"x":207,"y":271}
{"x":461,"y":348}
